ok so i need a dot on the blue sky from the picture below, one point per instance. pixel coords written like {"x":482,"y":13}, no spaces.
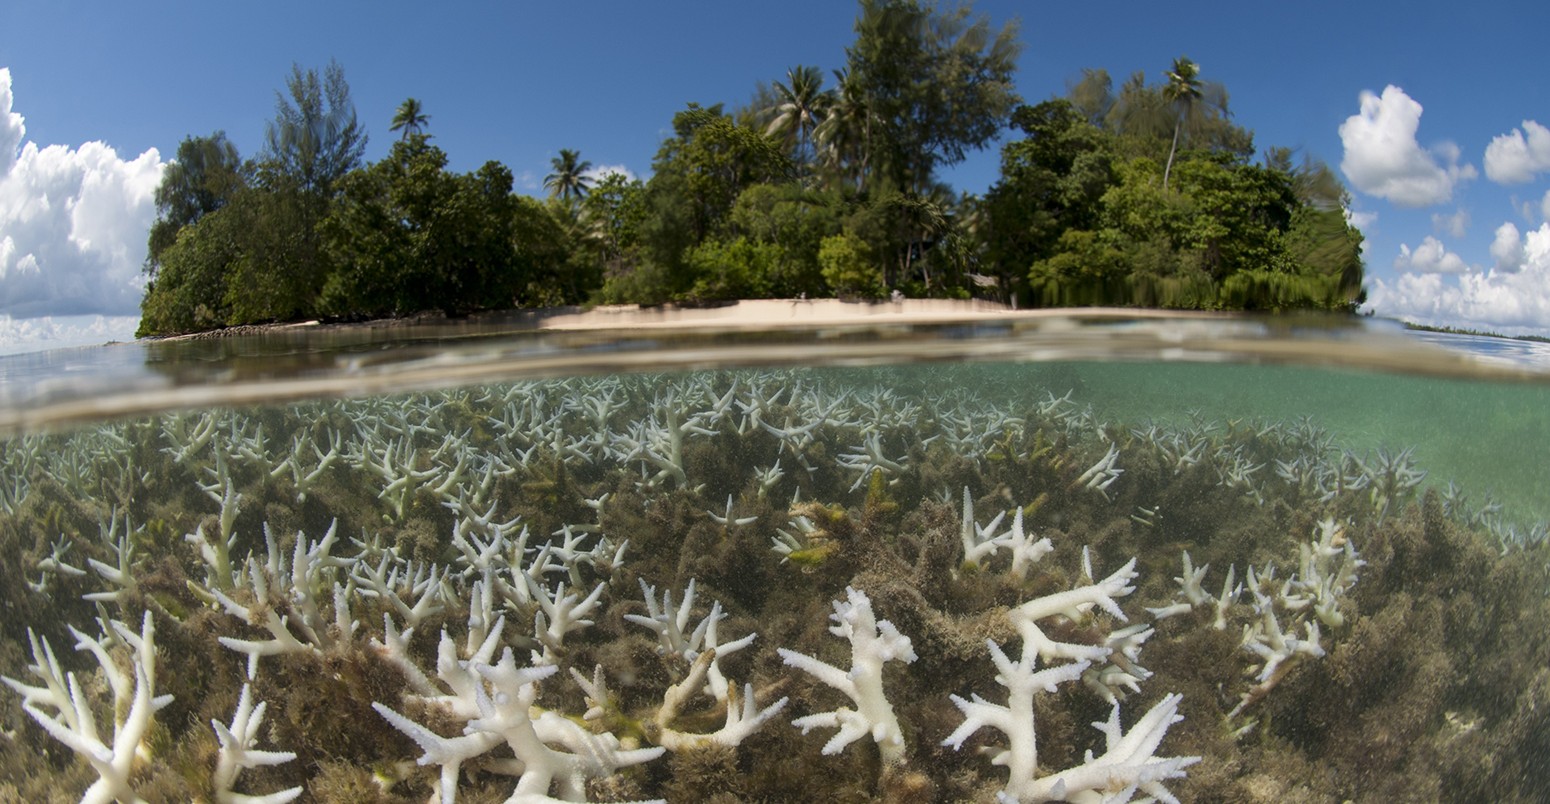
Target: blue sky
{"x":1405,"y":103}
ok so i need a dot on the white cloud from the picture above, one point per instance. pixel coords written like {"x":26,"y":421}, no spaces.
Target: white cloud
{"x":1514,"y":158}
{"x":19,"y":335}
{"x":73,"y":223}
{"x":1507,"y":248}
{"x":1532,"y":210}
{"x":1454,"y":225}
{"x":1361,"y":220}
{"x":1431,"y":257}
{"x":1514,"y":303}
{"x":601,"y":172}
{"x":12,"y":126}
{"x":527,"y":181}
{"x":1383,"y":159}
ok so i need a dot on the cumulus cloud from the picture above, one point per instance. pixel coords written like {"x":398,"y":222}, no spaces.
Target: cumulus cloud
{"x":1383,"y":159}
{"x":1454,"y":225}
{"x":1516,"y":157}
{"x":19,"y":335}
{"x":73,"y":223}
{"x":601,"y":172}
{"x":1511,"y":302}
{"x":12,"y":126}
{"x":1507,"y":248}
{"x":1361,"y":220}
{"x":1431,"y":257}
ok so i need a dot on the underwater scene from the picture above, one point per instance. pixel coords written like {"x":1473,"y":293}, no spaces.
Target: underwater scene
{"x":955,"y":581}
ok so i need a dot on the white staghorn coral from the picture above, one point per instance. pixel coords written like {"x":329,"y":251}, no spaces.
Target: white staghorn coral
{"x":743,"y":715}
{"x":554,"y":755}
{"x":1327,"y":572}
{"x":873,"y":643}
{"x":743,"y":718}
{"x":296,"y":585}
{"x":1025,"y":549}
{"x":980,"y":543}
{"x":237,"y":753}
{"x":559,"y":614}
{"x":1015,"y":718}
{"x":1191,"y":586}
{"x":73,"y":723}
{"x":1101,"y":475}
{"x":1072,"y":604}
{"x":670,"y":626}
{"x":416,"y":459}
{"x":1129,"y":763}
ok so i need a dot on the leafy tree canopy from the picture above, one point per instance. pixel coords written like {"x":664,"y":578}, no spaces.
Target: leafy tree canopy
{"x":314,"y":138}
{"x":936,"y":83}
{"x":406,"y":235}
{"x":201,"y":179}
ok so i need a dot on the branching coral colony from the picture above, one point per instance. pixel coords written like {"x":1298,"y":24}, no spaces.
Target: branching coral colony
{"x":465,"y":623}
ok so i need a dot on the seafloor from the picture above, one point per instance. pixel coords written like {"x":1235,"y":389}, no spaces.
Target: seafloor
{"x":1406,"y":657}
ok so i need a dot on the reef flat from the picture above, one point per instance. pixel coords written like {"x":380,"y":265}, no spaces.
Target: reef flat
{"x":804,"y":584}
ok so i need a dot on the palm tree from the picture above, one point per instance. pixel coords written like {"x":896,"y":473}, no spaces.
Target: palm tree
{"x":1184,"y":89}
{"x":568,"y":181}
{"x":845,"y":134}
{"x":410,"y":118}
{"x":802,"y":105}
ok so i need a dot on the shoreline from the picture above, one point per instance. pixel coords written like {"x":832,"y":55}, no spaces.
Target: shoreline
{"x":1478,"y":333}
{"x":747,"y":314}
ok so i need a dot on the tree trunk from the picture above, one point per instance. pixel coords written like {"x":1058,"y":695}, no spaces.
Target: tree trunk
{"x":1175,"y":147}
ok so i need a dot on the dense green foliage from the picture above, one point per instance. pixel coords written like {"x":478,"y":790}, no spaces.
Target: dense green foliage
{"x":1147,"y":195}
{"x":1090,"y":209}
{"x":204,"y":176}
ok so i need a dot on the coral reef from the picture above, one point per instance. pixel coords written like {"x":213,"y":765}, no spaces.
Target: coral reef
{"x":776,"y":585}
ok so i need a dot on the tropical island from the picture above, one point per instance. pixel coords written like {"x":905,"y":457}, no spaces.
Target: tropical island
{"x":821,"y":185}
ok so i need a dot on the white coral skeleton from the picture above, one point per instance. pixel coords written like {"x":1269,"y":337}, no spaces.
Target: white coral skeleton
{"x":72,"y":720}
{"x":1129,"y":762}
{"x":873,"y":643}
{"x":304,"y":599}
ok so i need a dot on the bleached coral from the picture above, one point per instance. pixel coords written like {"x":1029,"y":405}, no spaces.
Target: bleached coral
{"x":673,"y":638}
{"x":1129,"y":762}
{"x":743,"y":715}
{"x":295,"y":587}
{"x":415,"y":459}
{"x":1191,"y":587}
{"x":238,"y":753}
{"x":873,"y":643}
{"x":1327,"y":572}
{"x":982,"y":542}
{"x":554,"y":756}
{"x":73,"y":722}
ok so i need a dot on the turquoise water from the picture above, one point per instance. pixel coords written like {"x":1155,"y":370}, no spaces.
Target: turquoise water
{"x":1490,"y":437}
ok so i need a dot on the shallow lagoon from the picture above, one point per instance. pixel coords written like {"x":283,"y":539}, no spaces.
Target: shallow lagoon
{"x":1382,"y":636}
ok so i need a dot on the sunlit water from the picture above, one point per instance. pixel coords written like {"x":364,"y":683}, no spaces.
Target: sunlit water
{"x":356,"y":529}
